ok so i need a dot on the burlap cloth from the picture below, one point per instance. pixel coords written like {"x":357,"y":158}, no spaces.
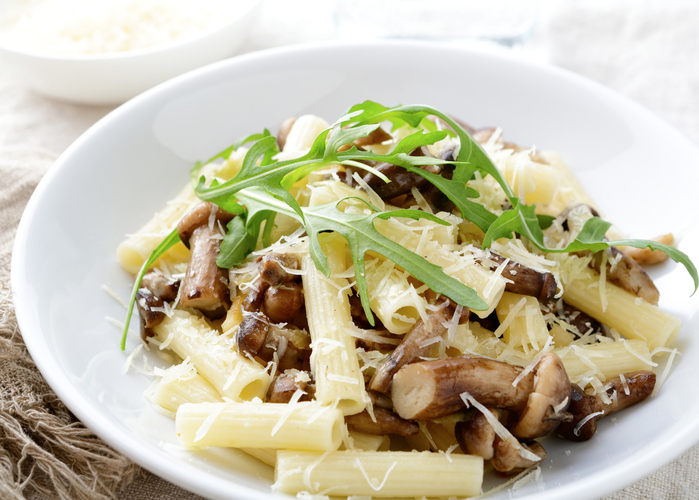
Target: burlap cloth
{"x":646,"y":52}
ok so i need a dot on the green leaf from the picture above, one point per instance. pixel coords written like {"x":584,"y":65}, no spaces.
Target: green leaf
{"x":521,"y":219}
{"x":237,"y":244}
{"x":170,"y":240}
{"x":362,"y":237}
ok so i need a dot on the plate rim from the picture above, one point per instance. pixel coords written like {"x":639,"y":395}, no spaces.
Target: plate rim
{"x":168,"y":468}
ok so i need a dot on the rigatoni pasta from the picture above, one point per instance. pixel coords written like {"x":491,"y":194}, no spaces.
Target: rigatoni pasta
{"x":382,"y":343}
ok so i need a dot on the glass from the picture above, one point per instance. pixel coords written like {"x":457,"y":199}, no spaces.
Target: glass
{"x":506,"y":22}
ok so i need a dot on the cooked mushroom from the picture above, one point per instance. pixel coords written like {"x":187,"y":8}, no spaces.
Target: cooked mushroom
{"x":375,"y":137}
{"x":587,"y":409}
{"x":415,"y":343}
{"x":291,"y":345}
{"x":148,"y":308}
{"x":161,"y":286}
{"x":379,"y":400}
{"x":205,"y":287}
{"x":284,"y":129}
{"x":648,"y":257}
{"x":252,"y":333}
{"x":476,"y":436}
{"x":273,"y":272}
{"x":284,"y":387}
{"x":402,"y":181}
{"x":508,"y":457}
{"x":625,"y":273}
{"x":548,"y":401}
{"x":386,"y":422}
{"x":432,"y":389}
{"x":283,"y":303}
{"x":525,"y":280}
{"x":156,"y":289}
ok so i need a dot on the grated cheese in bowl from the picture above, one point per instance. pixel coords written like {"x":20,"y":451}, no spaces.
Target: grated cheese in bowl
{"x":88,"y":27}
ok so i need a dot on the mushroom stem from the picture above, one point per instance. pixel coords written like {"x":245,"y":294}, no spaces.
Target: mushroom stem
{"x":640,"y":385}
{"x":205,"y":287}
{"x":402,"y":181}
{"x":524,"y":280}
{"x":386,"y":422}
{"x":508,"y":458}
{"x":476,"y":436}
{"x":415,"y":343}
{"x":432,"y":389}
{"x":284,"y":387}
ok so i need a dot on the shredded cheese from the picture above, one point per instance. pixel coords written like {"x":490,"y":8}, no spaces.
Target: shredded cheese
{"x":287,"y":411}
{"x":209,"y":421}
{"x":585,"y":420}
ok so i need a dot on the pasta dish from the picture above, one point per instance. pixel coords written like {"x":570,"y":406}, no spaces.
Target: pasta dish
{"x":394,"y":296}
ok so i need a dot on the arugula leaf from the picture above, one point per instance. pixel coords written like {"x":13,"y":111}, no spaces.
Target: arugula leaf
{"x":169,"y":241}
{"x":362,"y":237}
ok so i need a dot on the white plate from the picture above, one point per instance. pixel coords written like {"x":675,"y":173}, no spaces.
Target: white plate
{"x":642,"y":172}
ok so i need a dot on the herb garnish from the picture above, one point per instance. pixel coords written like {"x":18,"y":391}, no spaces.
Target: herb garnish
{"x":260,"y":190}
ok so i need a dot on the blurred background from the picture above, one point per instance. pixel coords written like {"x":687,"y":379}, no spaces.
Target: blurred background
{"x":64,"y":64}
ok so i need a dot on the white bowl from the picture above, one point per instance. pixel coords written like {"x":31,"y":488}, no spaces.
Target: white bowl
{"x":113,"y":78}
{"x":111,"y":180}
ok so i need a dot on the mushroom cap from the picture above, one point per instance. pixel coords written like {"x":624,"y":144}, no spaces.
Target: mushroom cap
{"x":551,"y":388}
{"x":507,"y":457}
{"x":476,"y":436}
{"x":198,"y":216}
{"x":581,"y":405}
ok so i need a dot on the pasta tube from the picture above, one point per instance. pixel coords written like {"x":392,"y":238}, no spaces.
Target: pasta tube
{"x":379,"y":474}
{"x":629,"y":315}
{"x":334,"y":361}
{"x":298,"y":426}
{"x":232,"y":374}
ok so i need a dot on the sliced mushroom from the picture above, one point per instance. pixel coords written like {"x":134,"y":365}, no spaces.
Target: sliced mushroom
{"x":285,"y":386}
{"x":148,"y":305}
{"x":273,"y":272}
{"x":375,"y":137}
{"x":252,"y":333}
{"x":415,"y":343}
{"x":648,"y":257}
{"x":386,"y":422}
{"x":205,"y":287}
{"x":476,"y":436}
{"x":548,"y":401}
{"x":274,"y":268}
{"x":587,"y":409}
{"x":291,"y":345}
{"x":156,"y":289}
{"x":508,"y":458}
{"x":161,"y":286}
{"x":626,"y":273}
{"x":432,"y":389}
{"x":525,"y":280}
{"x":283,"y":303}
{"x":402,"y":181}
{"x":379,"y":400}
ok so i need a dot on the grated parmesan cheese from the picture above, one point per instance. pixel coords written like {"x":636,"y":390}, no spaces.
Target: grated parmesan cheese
{"x":585,"y":420}
{"x":374,"y":482}
{"x":83,"y":27}
{"x":209,"y":421}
